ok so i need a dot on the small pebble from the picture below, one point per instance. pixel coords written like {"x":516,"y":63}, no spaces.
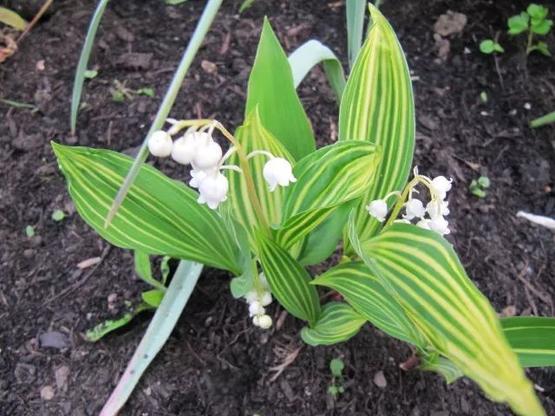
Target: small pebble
{"x":379,"y":380}
{"x":527,"y":106}
{"x":47,"y":393}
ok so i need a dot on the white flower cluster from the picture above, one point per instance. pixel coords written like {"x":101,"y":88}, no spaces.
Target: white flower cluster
{"x":257,"y":300}
{"x":198,"y":149}
{"x":430,"y":217}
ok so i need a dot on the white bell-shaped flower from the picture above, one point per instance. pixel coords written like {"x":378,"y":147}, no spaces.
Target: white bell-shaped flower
{"x":196,"y":177}
{"x":414,"y":209}
{"x":441,"y":185}
{"x":160,"y":144}
{"x":208,"y":153}
{"x":264,"y":321}
{"x":213,"y":190}
{"x":184,"y":149}
{"x":256,"y":308}
{"x":440,"y":225}
{"x":266,"y":298}
{"x":437,"y":208}
{"x":378,"y":209}
{"x":424,"y":223}
{"x":278,"y":171}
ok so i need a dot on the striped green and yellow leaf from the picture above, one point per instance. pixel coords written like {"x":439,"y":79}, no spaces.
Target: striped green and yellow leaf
{"x":532,"y":338}
{"x":327,"y":178}
{"x":159,"y":215}
{"x":365,"y":293}
{"x":378,"y":107}
{"x":422,"y":271}
{"x":319,"y":244}
{"x":271,"y":88}
{"x":337,"y":323}
{"x":252,"y":135}
{"x":289,"y":281}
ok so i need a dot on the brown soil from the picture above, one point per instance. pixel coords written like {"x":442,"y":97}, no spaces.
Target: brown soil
{"x":216,"y":363}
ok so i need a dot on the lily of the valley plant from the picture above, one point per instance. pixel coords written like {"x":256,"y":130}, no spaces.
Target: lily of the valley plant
{"x":263,"y":203}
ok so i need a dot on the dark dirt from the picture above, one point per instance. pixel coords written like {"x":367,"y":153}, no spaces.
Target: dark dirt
{"x":216,"y":363}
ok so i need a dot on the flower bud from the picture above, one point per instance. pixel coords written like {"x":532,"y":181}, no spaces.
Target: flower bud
{"x":378,"y":209}
{"x":208,"y":152}
{"x":255,"y":308}
{"x":160,"y":144}
{"x":264,"y":321}
{"x":184,"y":149}
{"x":414,"y":209}
{"x":266,"y":298}
{"x":278,"y":171}
{"x":213,"y":190}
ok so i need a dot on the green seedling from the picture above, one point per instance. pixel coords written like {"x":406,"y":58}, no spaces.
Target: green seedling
{"x":484,"y":97}
{"x":121,"y":93}
{"x":58,"y":215}
{"x":543,"y":120}
{"x":478,"y":187}
{"x":533,"y":22}
{"x":489,"y":46}
{"x":90,"y":73}
{"x":150,"y":299}
{"x":336,"y":386}
{"x":30,"y":231}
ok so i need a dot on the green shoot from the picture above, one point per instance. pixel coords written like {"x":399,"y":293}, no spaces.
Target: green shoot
{"x":489,"y":46}
{"x":484,"y":97}
{"x":58,"y":215}
{"x":336,"y":386}
{"x":478,"y":187}
{"x":30,"y":231}
{"x":90,"y":73}
{"x":543,"y":120}
{"x":534,"y":21}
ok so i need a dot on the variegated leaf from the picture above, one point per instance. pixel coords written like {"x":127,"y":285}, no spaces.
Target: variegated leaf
{"x":337,"y":323}
{"x":326,"y":179}
{"x":422,"y":271}
{"x":253,"y":136}
{"x":378,"y":107}
{"x":159,"y":215}
{"x":289,"y":281}
{"x":365,"y":293}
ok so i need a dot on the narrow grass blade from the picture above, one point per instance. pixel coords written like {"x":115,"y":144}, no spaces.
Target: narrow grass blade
{"x":204,"y":23}
{"x":312,"y":53}
{"x":11,"y":18}
{"x":543,"y":120}
{"x":355,"y":10}
{"x":84,"y":61}
{"x":159,"y":330}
